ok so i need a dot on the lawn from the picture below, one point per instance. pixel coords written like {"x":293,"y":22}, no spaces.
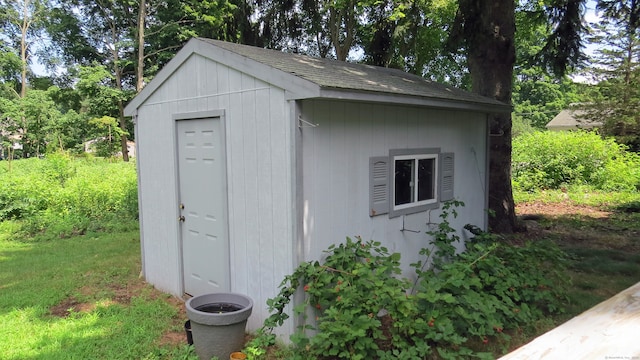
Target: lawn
{"x":602,"y":239}
{"x":81,"y":297}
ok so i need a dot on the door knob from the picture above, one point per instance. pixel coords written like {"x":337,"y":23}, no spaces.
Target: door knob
{"x":181,"y":218}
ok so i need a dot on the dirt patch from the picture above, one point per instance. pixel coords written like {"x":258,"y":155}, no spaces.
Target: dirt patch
{"x":173,"y":338}
{"x":179,"y":305}
{"x":69,"y":306}
{"x":120,"y":294}
{"x":123,"y":294}
{"x":559,"y":209}
{"x":580,"y":226}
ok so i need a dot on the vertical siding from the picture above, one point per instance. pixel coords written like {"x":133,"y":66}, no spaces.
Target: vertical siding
{"x":259,"y":173}
{"x":336,"y":179}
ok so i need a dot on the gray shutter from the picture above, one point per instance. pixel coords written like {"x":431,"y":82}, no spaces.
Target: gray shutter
{"x":378,"y":185}
{"x":446,"y":176}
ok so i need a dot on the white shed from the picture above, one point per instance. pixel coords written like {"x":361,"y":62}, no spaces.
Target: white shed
{"x":252,"y":161}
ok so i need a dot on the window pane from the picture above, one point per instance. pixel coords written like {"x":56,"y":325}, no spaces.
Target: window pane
{"x":426,"y":179}
{"x":404,"y":181}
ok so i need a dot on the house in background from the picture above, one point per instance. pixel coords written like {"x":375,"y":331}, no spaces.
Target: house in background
{"x":572,"y":120}
{"x":11,"y":142}
{"x":252,"y":161}
{"x":90,"y":146}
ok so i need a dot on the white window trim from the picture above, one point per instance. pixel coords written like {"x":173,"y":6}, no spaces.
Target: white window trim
{"x":414,"y":201}
{"x":414,"y":206}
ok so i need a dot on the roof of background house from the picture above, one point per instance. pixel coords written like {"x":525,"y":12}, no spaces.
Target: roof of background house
{"x":311,"y":77}
{"x":571,"y":120}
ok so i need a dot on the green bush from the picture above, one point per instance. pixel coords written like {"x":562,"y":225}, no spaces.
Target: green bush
{"x":67,"y":195}
{"x":357,"y":306}
{"x":552,"y":160}
{"x":24,"y":192}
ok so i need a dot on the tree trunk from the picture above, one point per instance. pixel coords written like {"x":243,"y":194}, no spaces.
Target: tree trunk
{"x":342,"y":38}
{"x":123,"y":126}
{"x":23,"y":47}
{"x":118,"y":78}
{"x":142,"y":15}
{"x":121,"y":118}
{"x":489,"y":28}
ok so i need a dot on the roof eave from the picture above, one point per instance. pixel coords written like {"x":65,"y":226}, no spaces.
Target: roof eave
{"x":295,"y":87}
{"x":439,"y":103}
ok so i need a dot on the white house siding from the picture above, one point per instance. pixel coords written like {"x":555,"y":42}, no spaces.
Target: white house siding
{"x":259,"y":177}
{"x":336,"y":171}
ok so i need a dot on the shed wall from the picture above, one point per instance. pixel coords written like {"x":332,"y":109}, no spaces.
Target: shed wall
{"x":259,"y":144}
{"x":336,"y":171}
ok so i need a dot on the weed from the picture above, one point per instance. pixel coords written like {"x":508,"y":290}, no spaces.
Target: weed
{"x":557,"y":160}
{"x":355,"y":305}
{"x":68,"y":197}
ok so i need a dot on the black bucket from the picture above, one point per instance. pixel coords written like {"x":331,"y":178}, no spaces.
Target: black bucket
{"x":187,"y":330}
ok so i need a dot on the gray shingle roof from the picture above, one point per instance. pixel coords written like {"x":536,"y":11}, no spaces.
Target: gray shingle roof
{"x":572,"y":119}
{"x":340,"y":75}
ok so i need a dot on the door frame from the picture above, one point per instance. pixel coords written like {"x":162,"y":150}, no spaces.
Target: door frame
{"x":195,"y":115}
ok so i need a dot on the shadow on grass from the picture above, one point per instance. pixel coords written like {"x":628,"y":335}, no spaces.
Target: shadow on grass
{"x":603,"y":244}
{"x":105,"y":311}
{"x":108,"y":332}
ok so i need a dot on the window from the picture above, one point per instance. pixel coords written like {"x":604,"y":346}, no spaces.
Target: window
{"x":409,"y":181}
{"x":414,"y":181}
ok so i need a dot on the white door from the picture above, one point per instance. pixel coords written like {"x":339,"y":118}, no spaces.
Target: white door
{"x":202,"y":204}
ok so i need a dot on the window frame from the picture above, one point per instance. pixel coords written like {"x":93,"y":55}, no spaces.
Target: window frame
{"x":415,"y":205}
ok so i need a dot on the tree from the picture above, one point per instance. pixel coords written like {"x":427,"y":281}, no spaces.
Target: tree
{"x":106,"y":25}
{"x":412,"y":36}
{"x":29,"y":119}
{"x":142,"y":17}
{"x":615,"y":67}
{"x":537,"y":95}
{"x":23,"y":20}
{"x":321,"y":28}
{"x":70,"y":41}
{"x":10,"y":64}
{"x":108,"y":126}
{"x":485,"y":29}
{"x":164,"y":26}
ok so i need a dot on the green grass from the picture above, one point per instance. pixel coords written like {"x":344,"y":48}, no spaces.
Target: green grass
{"x":70,"y":265}
{"x":81,"y":298}
{"x":601,"y":240}
{"x":580,"y":195}
{"x":598,"y":274}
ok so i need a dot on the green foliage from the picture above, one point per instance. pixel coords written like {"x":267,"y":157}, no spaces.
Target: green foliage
{"x":551,"y":160}
{"x":10,"y":64}
{"x":32,"y":118}
{"x":538,"y":98}
{"x":109,"y":144}
{"x":81,"y":298}
{"x":615,"y":69}
{"x":95,"y":84}
{"x":71,"y":195}
{"x":356,"y":305}
{"x":37,"y":123}
{"x":346,"y":293}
